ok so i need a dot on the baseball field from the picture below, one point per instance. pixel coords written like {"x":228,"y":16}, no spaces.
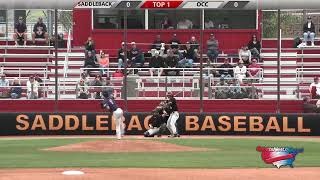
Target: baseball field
{"x":196,"y":157}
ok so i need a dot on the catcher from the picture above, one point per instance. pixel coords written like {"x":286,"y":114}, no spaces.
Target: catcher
{"x":158,"y":121}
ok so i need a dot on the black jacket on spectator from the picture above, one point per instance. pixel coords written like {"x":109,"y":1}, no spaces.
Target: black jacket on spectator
{"x":20,"y":27}
{"x":189,"y":54}
{"x":156,"y":62}
{"x":226,"y":71}
{"x":251,"y":45}
{"x":156,"y":45}
{"x":171,"y":61}
{"x":311,"y":29}
{"x":121,"y":54}
{"x":90,"y":47}
{"x":90,"y":61}
{"x":17,"y":90}
{"x":194,"y":45}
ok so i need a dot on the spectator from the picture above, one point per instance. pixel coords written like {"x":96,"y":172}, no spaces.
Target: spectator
{"x":308,"y":107}
{"x":90,"y":45}
{"x":37,"y":78}
{"x":32,"y":88}
{"x":221,"y":89}
{"x":84,"y":78}
{"x":209,"y":24}
{"x":226,"y":69}
{"x":121,"y":55}
{"x":188,"y":57}
{"x":171,"y":61}
{"x":156,"y":62}
{"x":90,"y":62}
{"x":136,"y":57}
{"x":240,"y":72}
{"x":39,"y":31}
{"x":315,"y":88}
{"x":255,"y":47}
{"x":194,"y":44}
{"x":16,"y":90}
{"x":185,"y":24}
{"x":235,"y":91}
{"x":309,"y":32}
{"x":103,"y":62}
{"x":175,"y":43}
{"x":157,"y":43}
{"x":254,"y":69}
{"x":82,"y":90}
{"x":296,"y":40}
{"x":4,"y":87}
{"x":213,"y":48}
{"x":97,"y":82}
{"x":166,"y":23}
{"x":245,"y":55}
{"x":20,"y":32}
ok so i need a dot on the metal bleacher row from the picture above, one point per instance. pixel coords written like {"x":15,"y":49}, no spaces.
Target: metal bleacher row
{"x":298,"y":67}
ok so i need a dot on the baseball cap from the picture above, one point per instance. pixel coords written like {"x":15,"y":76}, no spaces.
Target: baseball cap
{"x":316,"y":78}
{"x":254,"y":60}
{"x":309,"y":17}
{"x":132,"y":43}
{"x":211,"y":34}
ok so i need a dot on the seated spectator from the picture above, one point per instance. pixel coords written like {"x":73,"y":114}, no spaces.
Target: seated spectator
{"x":82,"y":90}
{"x":209,"y":24}
{"x":296,"y":40}
{"x":157,"y":43}
{"x":254,"y":69}
{"x":32,"y":88}
{"x":245,"y":55}
{"x":84,"y":78}
{"x":90,"y":62}
{"x":240,"y":72}
{"x":39,"y":31}
{"x":213,"y":48}
{"x":226,"y":69}
{"x":308,"y":107}
{"x":37,"y":78}
{"x":121,"y":55}
{"x":103,"y":60}
{"x":156,"y":62}
{"x":16,"y":90}
{"x":174,"y":42}
{"x":185,"y":24}
{"x":136,"y":58}
{"x":20,"y":32}
{"x":97,"y":82}
{"x":166,"y":23}
{"x":315,"y":88}
{"x":222,"y":89}
{"x":188,"y":57}
{"x":171,"y":61}
{"x":309,"y":32}
{"x":235,"y":91}
{"x":255,"y":47}
{"x":90,"y":46}
{"x":4,"y":87}
{"x":194,"y":44}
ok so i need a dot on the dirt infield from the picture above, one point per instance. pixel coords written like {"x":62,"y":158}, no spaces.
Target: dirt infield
{"x":124,"y":146}
{"x":160,"y":174}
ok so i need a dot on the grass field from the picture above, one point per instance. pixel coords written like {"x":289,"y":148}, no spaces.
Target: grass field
{"x":222,"y":153}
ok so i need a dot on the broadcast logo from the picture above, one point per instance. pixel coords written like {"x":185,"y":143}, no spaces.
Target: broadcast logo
{"x":279,"y":156}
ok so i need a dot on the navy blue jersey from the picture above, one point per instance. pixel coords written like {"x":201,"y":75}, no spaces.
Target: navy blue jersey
{"x":111,"y":103}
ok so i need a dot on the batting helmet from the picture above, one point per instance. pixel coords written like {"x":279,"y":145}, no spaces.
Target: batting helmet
{"x":105,"y":94}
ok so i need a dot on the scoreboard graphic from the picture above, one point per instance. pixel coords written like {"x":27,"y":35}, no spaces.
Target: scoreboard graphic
{"x":167,"y":4}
